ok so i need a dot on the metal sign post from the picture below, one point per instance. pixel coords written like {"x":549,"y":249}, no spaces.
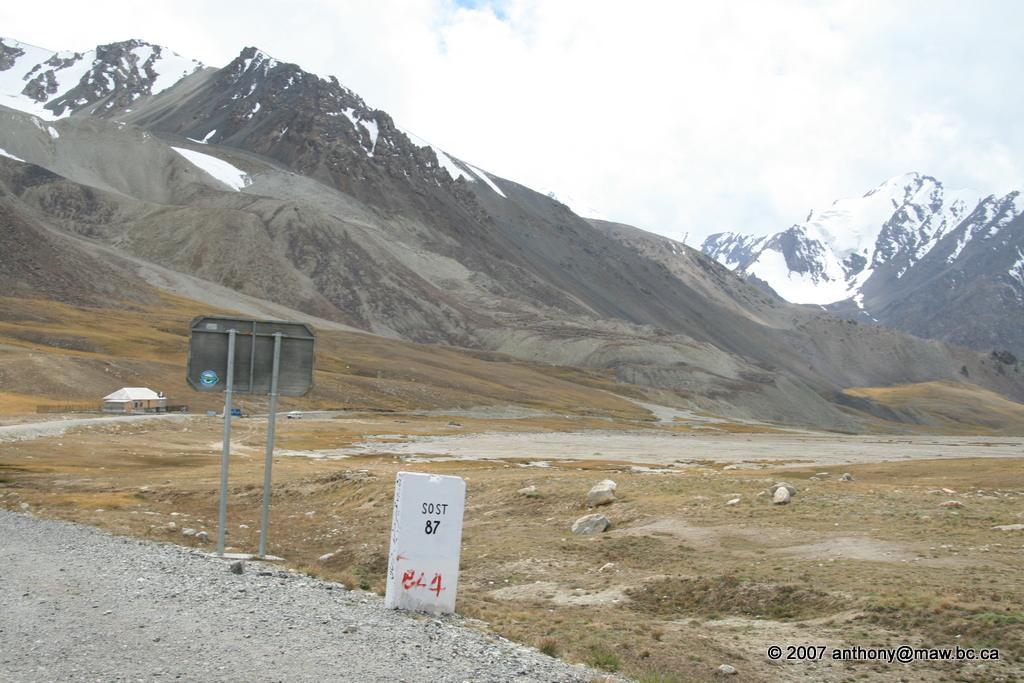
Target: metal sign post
{"x":271,"y":421}
{"x":226,"y":449}
{"x":241,"y":355}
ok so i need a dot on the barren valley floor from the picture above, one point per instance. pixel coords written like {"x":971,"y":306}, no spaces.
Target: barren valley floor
{"x":698,"y":569}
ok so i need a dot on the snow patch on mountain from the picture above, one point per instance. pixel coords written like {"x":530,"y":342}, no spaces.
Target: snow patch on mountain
{"x":26,"y":64}
{"x":482,"y":175}
{"x":460,"y":169}
{"x":169,"y":66}
{"x":449,"y":164}
{"x":371,"y":127}
{"x":455,"y":167}
{"x":821,"y":281}
{"x":852,"y":225}
{"x":5,"y":153}
{"x":217,"y":168}
{"x":261,"y":60}
{"x":46,"y":128}
{"x":206,"y":139}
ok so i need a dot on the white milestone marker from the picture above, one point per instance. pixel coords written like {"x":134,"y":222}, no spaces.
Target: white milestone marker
{"x":426,"y":537}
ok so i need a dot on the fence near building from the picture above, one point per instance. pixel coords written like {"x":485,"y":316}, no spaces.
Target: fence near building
{"x":98,"y":408}
{"x":71,"y":408}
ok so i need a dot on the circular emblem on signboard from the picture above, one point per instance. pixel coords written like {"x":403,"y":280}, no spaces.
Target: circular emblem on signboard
{"x":208,"y":378}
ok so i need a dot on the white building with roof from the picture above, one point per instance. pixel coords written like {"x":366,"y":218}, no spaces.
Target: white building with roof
{"x":135,"y":399}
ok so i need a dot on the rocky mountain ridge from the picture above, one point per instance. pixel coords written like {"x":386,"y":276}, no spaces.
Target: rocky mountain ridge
{"x":909,"y":254}
{"x":108,"y":79}
{"x":284,"y":187}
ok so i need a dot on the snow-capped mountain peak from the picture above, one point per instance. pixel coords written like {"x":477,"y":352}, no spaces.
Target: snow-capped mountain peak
{"x":852,"y":225}
{"x":909,"y":254}
{"x":830,"y":256}
{"x":52,"y":84}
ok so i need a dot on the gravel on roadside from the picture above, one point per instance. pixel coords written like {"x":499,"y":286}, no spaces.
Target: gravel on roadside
{"x":78,"y":604}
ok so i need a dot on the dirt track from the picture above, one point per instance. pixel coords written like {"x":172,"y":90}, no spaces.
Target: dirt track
{"x":35,"y":426}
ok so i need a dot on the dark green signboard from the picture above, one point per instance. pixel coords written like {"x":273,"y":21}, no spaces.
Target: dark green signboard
{"x":254,"y":355}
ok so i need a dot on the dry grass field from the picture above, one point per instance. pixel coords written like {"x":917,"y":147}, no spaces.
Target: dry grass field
{"x":683,"y":581}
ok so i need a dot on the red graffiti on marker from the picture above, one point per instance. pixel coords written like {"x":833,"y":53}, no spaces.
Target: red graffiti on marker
{"x":410,"y":580}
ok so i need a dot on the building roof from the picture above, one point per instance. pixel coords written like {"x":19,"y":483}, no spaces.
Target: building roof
{"x":133,"y":394}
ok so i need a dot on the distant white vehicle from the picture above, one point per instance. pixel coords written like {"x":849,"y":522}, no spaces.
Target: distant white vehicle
{"x":294,"y":415}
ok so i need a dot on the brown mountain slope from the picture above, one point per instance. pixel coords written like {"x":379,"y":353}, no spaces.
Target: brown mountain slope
{"x":344,"y":218}
{"x":38,"y":263}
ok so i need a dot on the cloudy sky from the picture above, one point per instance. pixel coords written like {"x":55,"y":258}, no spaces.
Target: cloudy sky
{"x":684,"y":117}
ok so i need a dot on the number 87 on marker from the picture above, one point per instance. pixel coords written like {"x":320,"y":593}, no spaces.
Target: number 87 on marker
{"x":426,"y":538}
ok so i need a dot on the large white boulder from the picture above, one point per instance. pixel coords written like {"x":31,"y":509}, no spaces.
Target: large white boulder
{"x":602,"y":493}
{"x":590,"y":524}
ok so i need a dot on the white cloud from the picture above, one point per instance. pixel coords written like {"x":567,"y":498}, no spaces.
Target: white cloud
{"x":693,"y":116}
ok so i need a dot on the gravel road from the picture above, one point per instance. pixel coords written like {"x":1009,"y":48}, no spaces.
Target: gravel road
{"x":58,"y":426}
{"x":77,"y":604}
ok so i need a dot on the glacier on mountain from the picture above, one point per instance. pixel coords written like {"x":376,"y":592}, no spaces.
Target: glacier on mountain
{"x":831,"y":255}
